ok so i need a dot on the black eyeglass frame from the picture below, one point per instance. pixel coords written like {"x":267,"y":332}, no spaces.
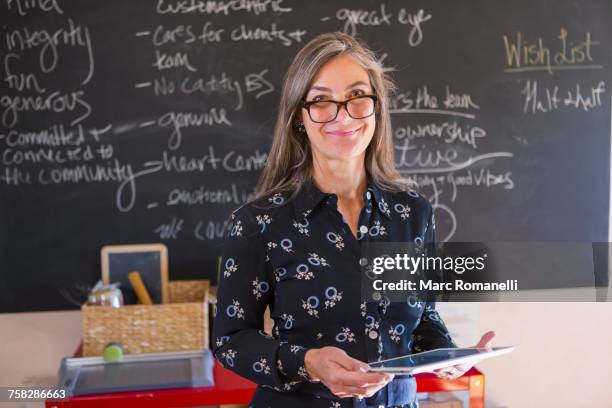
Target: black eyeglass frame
{"x":306,"y":105}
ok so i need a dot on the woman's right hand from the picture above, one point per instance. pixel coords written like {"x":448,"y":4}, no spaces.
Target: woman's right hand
{"x":342,"y":374}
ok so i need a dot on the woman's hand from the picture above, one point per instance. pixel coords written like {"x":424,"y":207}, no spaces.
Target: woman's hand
{"x":342,"y":374}
{"x":456,"y":371}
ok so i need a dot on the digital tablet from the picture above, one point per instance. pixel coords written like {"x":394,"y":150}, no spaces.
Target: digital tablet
{"x":431,"y":360}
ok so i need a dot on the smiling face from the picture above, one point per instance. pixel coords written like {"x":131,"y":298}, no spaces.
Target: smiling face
{"x":344,"y":137}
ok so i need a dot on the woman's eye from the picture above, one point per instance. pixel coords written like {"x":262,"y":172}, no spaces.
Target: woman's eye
{"x":318,"y":98}
{"x":357,"y":92}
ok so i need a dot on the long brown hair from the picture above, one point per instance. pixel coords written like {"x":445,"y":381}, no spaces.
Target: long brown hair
{"x":289,"y":162}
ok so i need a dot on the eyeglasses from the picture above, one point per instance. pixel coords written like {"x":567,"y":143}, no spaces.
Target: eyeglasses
{"x":358,"y":107}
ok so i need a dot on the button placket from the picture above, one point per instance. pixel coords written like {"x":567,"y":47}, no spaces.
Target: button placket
{"x":372,"y":343}
{"x":364,"y":221}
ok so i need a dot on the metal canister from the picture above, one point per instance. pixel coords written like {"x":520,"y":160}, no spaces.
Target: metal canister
{"x":106,"y":296}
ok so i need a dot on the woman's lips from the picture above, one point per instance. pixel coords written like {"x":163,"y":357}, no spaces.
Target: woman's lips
{"x":343,"y":133}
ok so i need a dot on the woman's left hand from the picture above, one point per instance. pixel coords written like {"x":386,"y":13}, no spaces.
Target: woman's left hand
{"x":456,"y":371}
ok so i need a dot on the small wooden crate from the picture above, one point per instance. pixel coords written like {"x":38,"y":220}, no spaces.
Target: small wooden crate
{"x":179,"y":325}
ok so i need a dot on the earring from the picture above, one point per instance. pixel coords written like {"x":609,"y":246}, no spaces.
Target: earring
{"x":300,"y":127}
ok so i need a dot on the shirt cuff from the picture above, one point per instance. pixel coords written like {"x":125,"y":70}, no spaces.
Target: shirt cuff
{"x":291,"y":364}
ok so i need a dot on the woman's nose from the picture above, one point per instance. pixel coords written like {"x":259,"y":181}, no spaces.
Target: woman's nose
{"x":343,"y":115}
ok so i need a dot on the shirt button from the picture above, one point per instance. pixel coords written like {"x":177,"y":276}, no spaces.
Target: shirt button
{"x":373,"y":334}
{"x":363,"y":229}
{"x":363,"y":261}
{"x":368,"y":195}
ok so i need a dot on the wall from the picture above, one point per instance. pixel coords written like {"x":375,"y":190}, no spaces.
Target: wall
{"x":32,"y":346}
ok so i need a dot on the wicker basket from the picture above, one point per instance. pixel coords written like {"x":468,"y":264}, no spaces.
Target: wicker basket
{"x":179,"y":325}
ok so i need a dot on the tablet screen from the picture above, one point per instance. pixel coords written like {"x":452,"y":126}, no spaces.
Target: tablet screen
{"x":433,"y":357}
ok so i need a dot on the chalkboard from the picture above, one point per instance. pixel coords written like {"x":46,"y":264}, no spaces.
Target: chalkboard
{"x":149,"y":260}
{"x":149,"y":121}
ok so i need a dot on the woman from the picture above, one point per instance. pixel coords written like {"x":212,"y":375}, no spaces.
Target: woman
{"x":329,"y":184}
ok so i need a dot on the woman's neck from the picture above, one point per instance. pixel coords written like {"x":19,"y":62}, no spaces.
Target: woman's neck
{"x":345,"y":179}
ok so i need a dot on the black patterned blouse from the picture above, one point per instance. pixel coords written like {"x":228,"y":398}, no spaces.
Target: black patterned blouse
{"x":301,"y":258}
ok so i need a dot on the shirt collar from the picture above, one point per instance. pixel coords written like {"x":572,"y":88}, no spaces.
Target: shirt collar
{"x":310,"y":197}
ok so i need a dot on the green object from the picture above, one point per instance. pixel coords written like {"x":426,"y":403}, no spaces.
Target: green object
{"x":113,"y":352}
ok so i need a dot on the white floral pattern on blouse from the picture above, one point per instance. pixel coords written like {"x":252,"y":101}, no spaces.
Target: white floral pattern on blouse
{"x":300,"y":258}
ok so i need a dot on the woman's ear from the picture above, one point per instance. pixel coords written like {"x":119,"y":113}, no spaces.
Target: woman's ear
{"x":298,"y":116}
